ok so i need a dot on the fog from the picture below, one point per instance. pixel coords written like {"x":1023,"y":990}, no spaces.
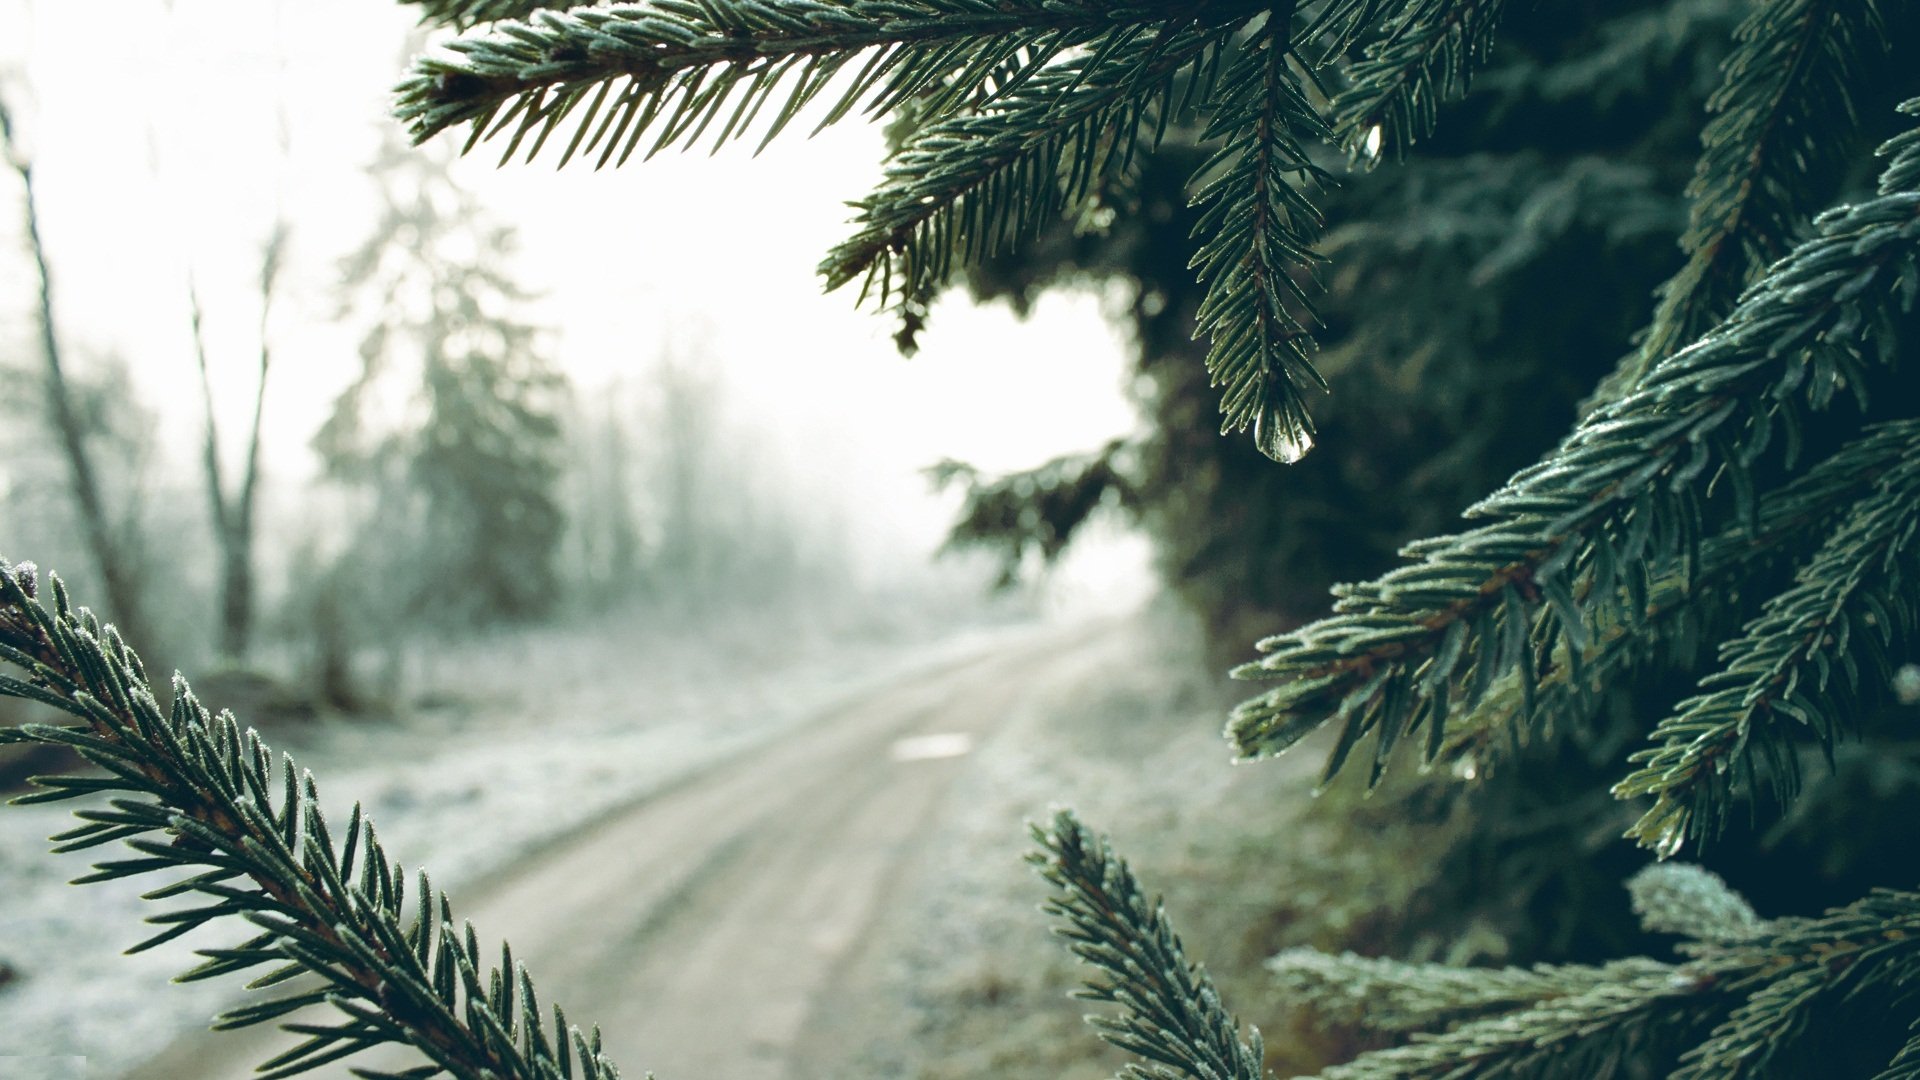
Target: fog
{"x":167,"y":140}
{"x":506,"y":497}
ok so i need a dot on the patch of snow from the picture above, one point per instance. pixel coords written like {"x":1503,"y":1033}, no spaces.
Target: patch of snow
{"x":946,"y":744}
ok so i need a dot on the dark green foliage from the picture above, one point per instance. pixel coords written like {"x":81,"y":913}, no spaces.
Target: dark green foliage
{"x":1171,"y":1015}
{"x":1615,"y":507}
{"x":200,"y":800}
{"x":464,"y":480}
{"x":1680,"y":610}
{"x":1785,"y":122}
{"x":1255,"y":244}
{"x":1734,"y":1005}
{"x":1813,"y":661}
{"x":1906,"y":1065}
{"x":1413,"y":60}
{"x":1473,"y":296}
{"x":1660,"y":524}
{"x":965,"y":186}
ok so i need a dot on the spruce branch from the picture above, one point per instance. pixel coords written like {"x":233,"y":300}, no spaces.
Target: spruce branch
{"x":1342,"y":24}
{"x":1784,"y":120}
{"x":1034,"y":512}
{"x":1806,"y":664}
{"x":1599,"y":1033}
{"x":462,"y":14}
{"x":1256,"y":240}
{"x":1871,"y":944}
{"x":194,"y":795}
{"x":1678,"y":610}
{"x":1395,"y":996}
{"x":1675,"y":898}
{"x":1420,"y":56}
{"x":1745,"y":995}
{"x":1171,"y":1014}
{"x":1023,"y":109}
{"x":969,"y":184}
{"x":1618,"y":500}
{"x":682,"y":62}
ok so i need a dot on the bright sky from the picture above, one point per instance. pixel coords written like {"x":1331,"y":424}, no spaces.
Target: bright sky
{"x":154,"y":131}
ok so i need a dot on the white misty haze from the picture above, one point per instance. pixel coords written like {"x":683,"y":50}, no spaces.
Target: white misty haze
{"x":154,"y":129}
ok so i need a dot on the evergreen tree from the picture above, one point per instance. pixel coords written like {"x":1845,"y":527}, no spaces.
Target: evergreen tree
{"x":1478,"y":290}
{"x":1758,"y":428}
{"x":468,"y":467}
{"x":1481,"y":286}
{"x":488,"y":465}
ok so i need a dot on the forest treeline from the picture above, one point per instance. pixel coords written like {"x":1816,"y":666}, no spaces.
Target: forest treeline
{"x":460,"y":480}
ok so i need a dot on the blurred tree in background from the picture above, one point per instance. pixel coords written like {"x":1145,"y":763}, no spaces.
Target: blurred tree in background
{"x":669,"y":503}
{"x":725,"y":522}
{"x":605,"y":546}
{"x":450,"y":434}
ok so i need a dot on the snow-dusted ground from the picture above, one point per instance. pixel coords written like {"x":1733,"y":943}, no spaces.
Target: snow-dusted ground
{"x":528,"y":736}
{"x":974,"y":983}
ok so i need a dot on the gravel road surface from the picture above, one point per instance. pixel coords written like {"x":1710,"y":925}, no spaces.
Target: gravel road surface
{"x":709,"y":928}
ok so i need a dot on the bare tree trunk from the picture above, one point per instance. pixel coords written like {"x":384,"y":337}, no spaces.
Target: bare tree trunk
{"x":117,"y":577}
{"x":233,"y":516}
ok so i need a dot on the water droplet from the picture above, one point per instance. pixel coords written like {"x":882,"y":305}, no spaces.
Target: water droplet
{"x":1370,"y":146}
{"x":1281,"y":441}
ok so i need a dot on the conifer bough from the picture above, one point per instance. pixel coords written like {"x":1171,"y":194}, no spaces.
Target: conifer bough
{"x":195,"y":796}
{"x":1024,"y":110}
{"x":1581,"y":537}
{"x":1720,"y":450}
{"x":1732,"y":1008}
{"x":1773,"y":149}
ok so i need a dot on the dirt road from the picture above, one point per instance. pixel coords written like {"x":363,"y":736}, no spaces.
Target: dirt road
{"x":703,"y":927}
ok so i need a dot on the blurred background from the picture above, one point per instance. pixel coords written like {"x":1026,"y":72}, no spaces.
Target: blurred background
{"x":550,"y":388}
{"x":361,"y":435}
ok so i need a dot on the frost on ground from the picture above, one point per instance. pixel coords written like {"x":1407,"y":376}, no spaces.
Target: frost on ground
{"x":974,"y":983}
{"x":517,"y":739}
